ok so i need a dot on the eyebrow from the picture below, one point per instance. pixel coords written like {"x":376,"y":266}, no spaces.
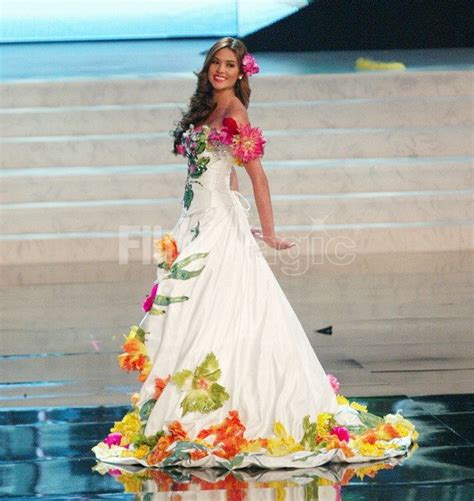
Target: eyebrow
{"x":228,"y":60}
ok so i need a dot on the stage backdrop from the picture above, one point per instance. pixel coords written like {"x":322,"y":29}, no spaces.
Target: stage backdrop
{"x":67,"y":20}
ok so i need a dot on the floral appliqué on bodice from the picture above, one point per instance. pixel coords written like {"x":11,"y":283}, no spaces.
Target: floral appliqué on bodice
{"x":242,"y":142}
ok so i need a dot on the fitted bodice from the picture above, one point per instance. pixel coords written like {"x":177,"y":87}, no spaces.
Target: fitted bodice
{"x":212,"y":187}
{"x":210,"y":154}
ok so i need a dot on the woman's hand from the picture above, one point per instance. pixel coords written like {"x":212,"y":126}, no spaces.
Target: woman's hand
{"x":274,"y":241}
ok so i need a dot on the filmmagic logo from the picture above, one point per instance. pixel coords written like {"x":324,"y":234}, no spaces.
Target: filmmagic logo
{"x":319,"y":243}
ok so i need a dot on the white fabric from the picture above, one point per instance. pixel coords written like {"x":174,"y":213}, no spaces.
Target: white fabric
{"x":237,"y":310}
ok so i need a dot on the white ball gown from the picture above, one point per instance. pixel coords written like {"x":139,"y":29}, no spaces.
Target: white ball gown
{"x":229,"y":377}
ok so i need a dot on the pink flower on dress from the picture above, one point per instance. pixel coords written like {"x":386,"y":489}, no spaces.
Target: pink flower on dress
{"x":150,"y":299}
{"x":113,"y":439}
{"x":180,"y":148}
{"x":214,"y":136}
{"x":248,"y":144}
{"x":226,"y":134}
{"x":115,"y":472}
{"x":341,"y":432}
{"x":334,"y":383}
{"x":249,"y":65}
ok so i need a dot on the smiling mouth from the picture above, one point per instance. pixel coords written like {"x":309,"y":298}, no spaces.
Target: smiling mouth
{"x":219,"y":79}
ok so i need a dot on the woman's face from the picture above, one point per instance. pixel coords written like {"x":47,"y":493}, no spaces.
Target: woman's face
{"x":223,"y":70}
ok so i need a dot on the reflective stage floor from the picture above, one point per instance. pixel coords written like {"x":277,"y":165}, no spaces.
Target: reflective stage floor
{"x":46,"y":453}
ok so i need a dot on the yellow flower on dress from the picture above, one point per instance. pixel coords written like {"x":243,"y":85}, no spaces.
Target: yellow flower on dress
{"x":139,"y":453}
{"x":359,"y":407}
{"x":372,"y":450}
{"x":342,"y":400}
{"x":402,"y":425}
{"x":283,"y":443}
{"x":323,"y":424}
{"x":387,"y":431}
{"x":129,"y":427}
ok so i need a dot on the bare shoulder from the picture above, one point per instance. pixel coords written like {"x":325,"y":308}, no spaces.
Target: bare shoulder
{"x":238,"y":112}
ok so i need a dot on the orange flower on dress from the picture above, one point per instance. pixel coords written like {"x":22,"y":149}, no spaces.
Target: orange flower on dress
{"x":160,"y":385}
{"x":166,"y":251}
{"x":197,"y":454}
{"x":369,"y":437}
{"x":386,"y":432}
{"x":134,"y":357}
{"x":160,"y":451}
{"x":336,"y":443}
{"x":228,"y":436}
{"x":177,"y":431}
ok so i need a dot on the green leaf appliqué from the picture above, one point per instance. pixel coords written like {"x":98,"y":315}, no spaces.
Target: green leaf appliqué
{"x":203,"y":393}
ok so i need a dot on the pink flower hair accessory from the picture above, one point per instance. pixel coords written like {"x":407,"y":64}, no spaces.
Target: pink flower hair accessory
{"x":249,"y":65}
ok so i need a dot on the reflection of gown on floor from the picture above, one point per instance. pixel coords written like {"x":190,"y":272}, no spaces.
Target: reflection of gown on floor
{"x":230,"y":377}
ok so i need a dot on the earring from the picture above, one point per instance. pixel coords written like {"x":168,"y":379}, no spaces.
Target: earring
{"x":240,"y":78}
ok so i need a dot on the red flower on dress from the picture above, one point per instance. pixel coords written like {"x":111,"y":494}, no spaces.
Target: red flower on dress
{"x":231,"y":125}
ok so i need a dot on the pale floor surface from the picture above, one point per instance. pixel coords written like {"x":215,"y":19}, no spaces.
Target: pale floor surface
{"x":401,"y":325}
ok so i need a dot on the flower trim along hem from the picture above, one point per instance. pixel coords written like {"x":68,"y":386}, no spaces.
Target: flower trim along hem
{"x":224,"y":444}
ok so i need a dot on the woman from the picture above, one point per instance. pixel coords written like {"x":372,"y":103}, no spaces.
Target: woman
{"x":229,"y":376}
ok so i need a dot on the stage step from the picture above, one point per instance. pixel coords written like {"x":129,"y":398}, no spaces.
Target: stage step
{"x":105,"y":216}
{"x":341,"y":175}
{"x":314,"y":113}
{"x":283,"y":144}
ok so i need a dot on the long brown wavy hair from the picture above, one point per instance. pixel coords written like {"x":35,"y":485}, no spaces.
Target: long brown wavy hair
{"x":201,"y":104}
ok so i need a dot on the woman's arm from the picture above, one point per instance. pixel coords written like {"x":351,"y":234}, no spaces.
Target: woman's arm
{"x":261,"y":191}
{"x":234,"y":182}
